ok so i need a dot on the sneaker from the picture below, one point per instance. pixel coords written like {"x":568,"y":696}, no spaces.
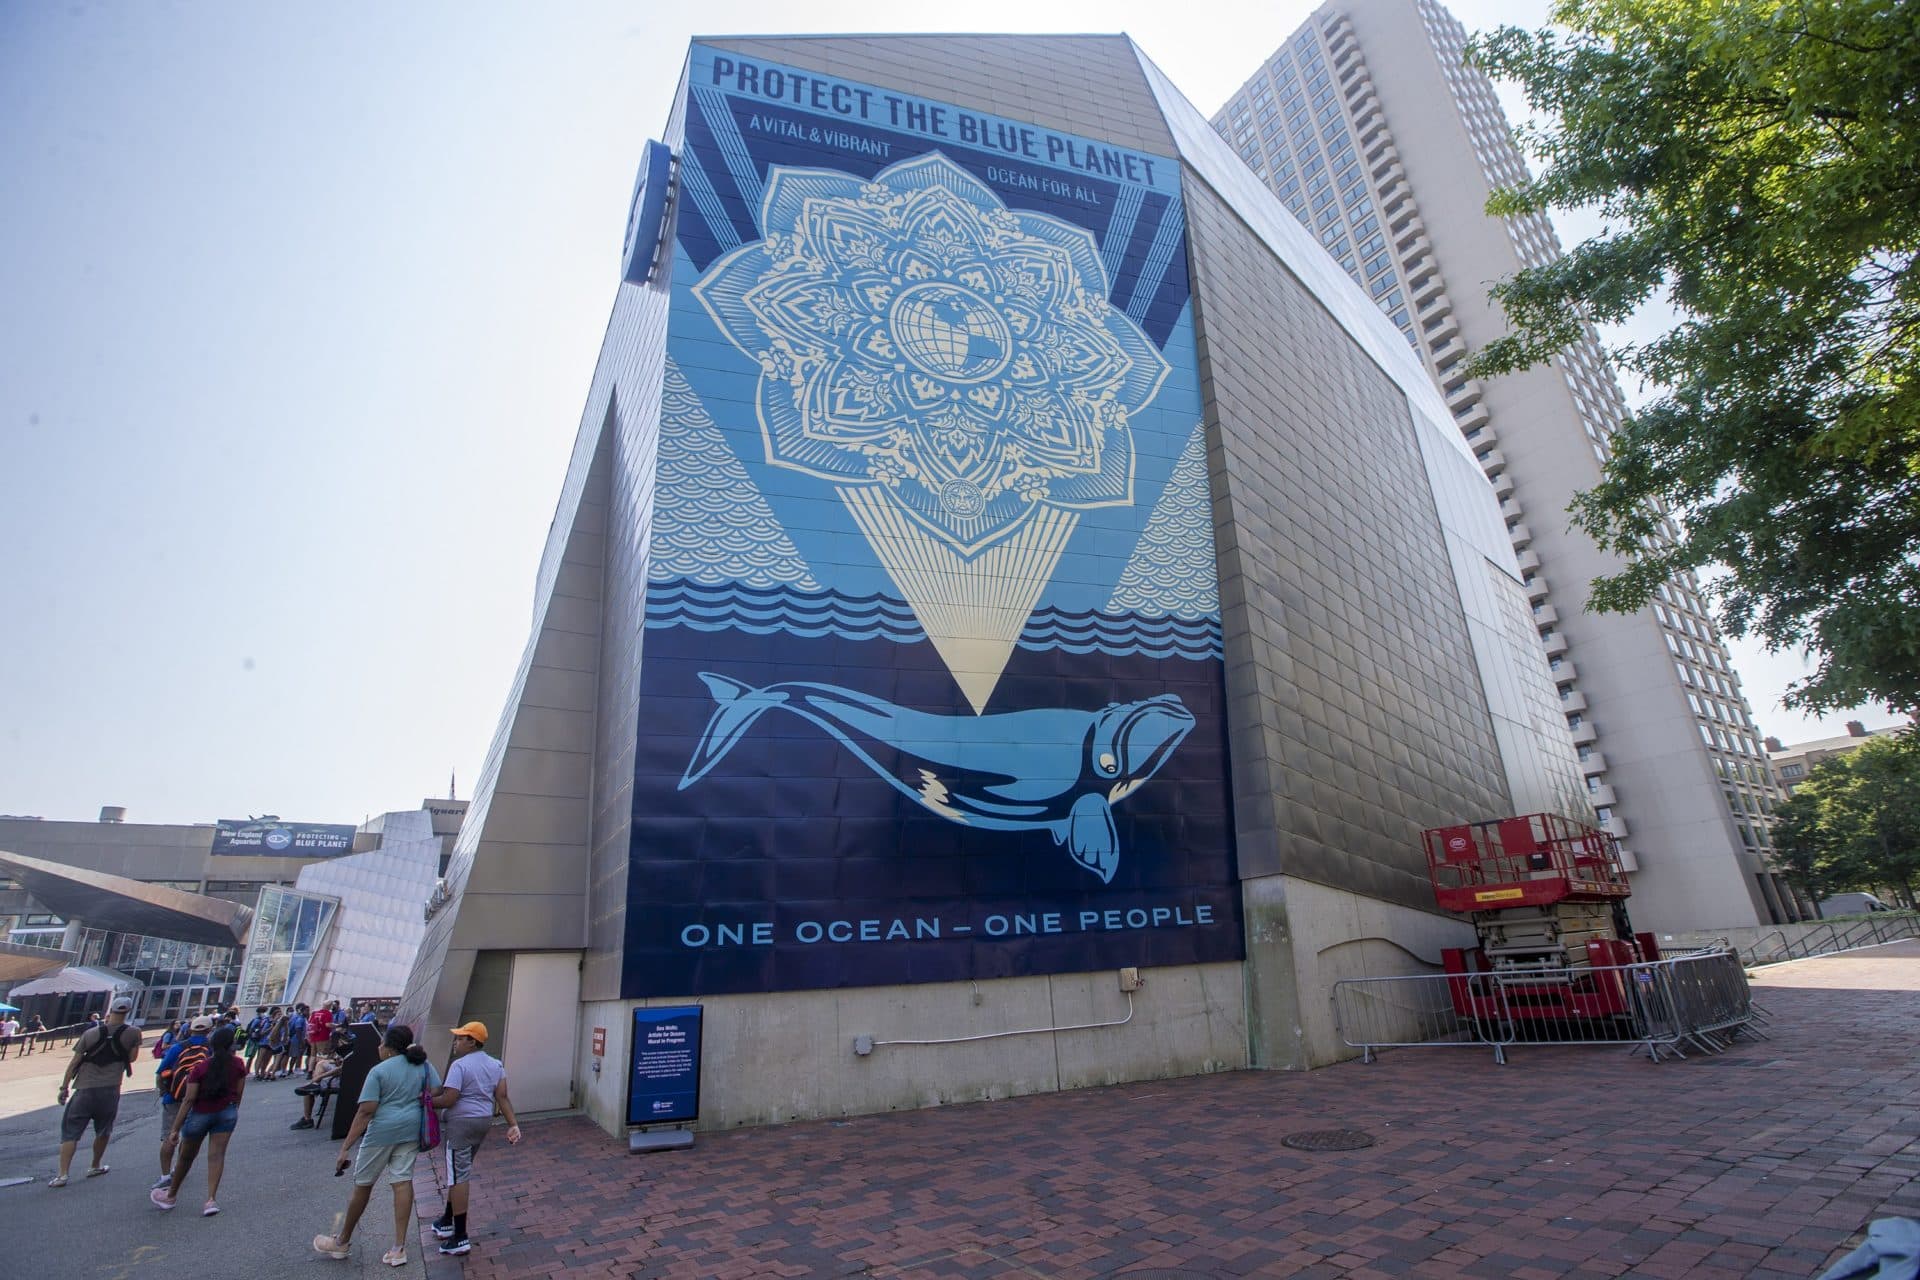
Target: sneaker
{"x":330,"y":1247}
{"x":301,"y":1123}
{"x":443,"y":1229}
{"x":208,"y":1209}
{"x":161,"y":1200}
{"x":166,"y":1180}
{"x":454,"y":1248}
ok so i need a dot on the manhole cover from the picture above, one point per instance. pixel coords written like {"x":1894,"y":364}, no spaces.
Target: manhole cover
{"x":1328,"y":1140}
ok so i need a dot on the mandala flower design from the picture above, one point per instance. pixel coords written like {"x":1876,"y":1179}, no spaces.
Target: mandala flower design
{"x":912,"y":332}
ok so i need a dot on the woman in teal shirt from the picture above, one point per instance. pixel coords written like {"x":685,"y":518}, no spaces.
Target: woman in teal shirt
{"x":387,"y":1127}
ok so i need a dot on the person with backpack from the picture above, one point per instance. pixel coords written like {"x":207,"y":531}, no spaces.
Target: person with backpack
{"x":253,"y":1041}
{"x":297,"y":1040}
{"x":171,"y":1080}
{"x":90,"y":1087}
{"x":391,"y":1126}
{"x":209,"y":1111}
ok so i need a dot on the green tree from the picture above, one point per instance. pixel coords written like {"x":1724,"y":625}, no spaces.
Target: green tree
{"x":1756,"y":165}
{"x":1855,"y":822}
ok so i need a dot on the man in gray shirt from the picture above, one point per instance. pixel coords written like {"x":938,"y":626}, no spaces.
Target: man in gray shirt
{"x":102,"y":1061}
{"x":475,"y":1084}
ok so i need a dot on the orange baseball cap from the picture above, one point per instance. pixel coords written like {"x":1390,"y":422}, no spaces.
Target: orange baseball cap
{"x":473,"y":1031}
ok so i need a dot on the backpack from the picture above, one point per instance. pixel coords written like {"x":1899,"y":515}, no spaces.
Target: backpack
{"x":108,"y":1049}
{"x":191,"y":1056}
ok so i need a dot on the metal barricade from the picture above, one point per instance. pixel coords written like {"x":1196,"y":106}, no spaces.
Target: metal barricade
{"x":1709,"y":998}
{"x":1431,"y":1010}
{"x":1697,"y":1000}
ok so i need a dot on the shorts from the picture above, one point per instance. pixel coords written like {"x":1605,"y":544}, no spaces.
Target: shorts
{"x":462,"y":1137}
{"x":201,"y":1123}
{"x":97,"y":1105}
{"x":394,"y":1160}
{"x":169,"y":1112}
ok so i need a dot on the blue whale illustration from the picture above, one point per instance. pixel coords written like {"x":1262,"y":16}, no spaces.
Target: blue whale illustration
{"x":1055,"y":770}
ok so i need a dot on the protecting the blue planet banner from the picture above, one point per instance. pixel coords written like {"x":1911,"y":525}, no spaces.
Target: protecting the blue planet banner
{"x":931,"y":683}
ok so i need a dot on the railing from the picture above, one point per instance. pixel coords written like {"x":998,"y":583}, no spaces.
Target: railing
{"x":53,"y":1037}
{"x":1699,"y":1000}
{"x":1838,"y":935}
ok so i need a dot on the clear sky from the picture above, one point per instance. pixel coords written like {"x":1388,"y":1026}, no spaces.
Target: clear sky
{"x":298,"y":308}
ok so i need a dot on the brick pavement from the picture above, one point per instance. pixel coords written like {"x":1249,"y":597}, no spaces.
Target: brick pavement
{"x":1571,"y":1162}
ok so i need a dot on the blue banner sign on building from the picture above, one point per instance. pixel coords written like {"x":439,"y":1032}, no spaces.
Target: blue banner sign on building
{"x":932,"y":686}
{"x":663,"y":1083}
{"x":269,"y":837}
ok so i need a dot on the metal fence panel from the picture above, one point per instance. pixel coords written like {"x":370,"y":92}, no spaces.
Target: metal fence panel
{"x":1662,"y":1007}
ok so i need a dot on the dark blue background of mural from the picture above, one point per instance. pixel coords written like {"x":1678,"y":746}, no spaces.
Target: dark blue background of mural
{"x":792,"y":828}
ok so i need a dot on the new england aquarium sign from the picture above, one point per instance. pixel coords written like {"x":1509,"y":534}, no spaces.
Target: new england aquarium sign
{"x":270,"y":837}
{"x":932,"y":684}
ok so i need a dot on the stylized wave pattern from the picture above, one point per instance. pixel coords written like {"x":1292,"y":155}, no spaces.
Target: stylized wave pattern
{"x":1123,"y":633}
{"x":792,"y":611}
{"x":710,"y":523}
{"x":1173,"y":570}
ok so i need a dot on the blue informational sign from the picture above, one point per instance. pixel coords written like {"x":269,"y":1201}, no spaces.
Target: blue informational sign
{"x":269,"y":837}
{"x":663,"y":1082}
{"x":932,"y":685}
{"x":647,"y":214}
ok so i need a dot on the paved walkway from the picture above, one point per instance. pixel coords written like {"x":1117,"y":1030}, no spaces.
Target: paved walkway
{"x":279,"y":1192}
{"x":1571,"y":1162}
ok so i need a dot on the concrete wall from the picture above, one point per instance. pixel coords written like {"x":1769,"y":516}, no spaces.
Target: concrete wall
{"x":141,"y":851}
{"x":769,"y":1059}
{"x":1303,"y":937}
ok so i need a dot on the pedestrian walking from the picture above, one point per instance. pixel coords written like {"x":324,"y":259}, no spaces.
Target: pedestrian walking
{"x":208,"y":1112}
{"x":387,"y":1125}
{"x":170,"y":1079}
{"x":90,"y":1087}
{"x":476,"y":1084}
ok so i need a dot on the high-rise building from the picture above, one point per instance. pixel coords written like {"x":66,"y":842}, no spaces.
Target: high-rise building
{"x":1002,"y":559}
{"x":1380,"y":139}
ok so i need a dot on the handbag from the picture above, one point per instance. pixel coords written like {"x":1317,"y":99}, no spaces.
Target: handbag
{"x":429,"y":1118}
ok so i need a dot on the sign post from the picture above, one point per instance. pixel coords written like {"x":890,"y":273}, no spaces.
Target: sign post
{"x":663,"y":1076}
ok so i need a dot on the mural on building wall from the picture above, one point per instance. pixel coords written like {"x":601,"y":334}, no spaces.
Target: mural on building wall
{"x":931,"y":683}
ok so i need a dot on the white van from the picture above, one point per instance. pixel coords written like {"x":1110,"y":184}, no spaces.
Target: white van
{"x":1850,"y":904}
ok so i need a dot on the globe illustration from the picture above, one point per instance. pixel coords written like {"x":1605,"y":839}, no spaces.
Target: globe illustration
{"x":950,"y":333}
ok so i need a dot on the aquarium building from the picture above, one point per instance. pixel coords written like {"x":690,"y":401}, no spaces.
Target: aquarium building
{"x":1013,"y":605}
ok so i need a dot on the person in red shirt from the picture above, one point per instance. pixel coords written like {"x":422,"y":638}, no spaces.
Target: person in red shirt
{"x":320,"y":1024}
{"x":209,"y":1110}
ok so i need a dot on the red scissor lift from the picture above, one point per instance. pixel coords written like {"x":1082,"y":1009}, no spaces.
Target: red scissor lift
{"x":1548,"y":900}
